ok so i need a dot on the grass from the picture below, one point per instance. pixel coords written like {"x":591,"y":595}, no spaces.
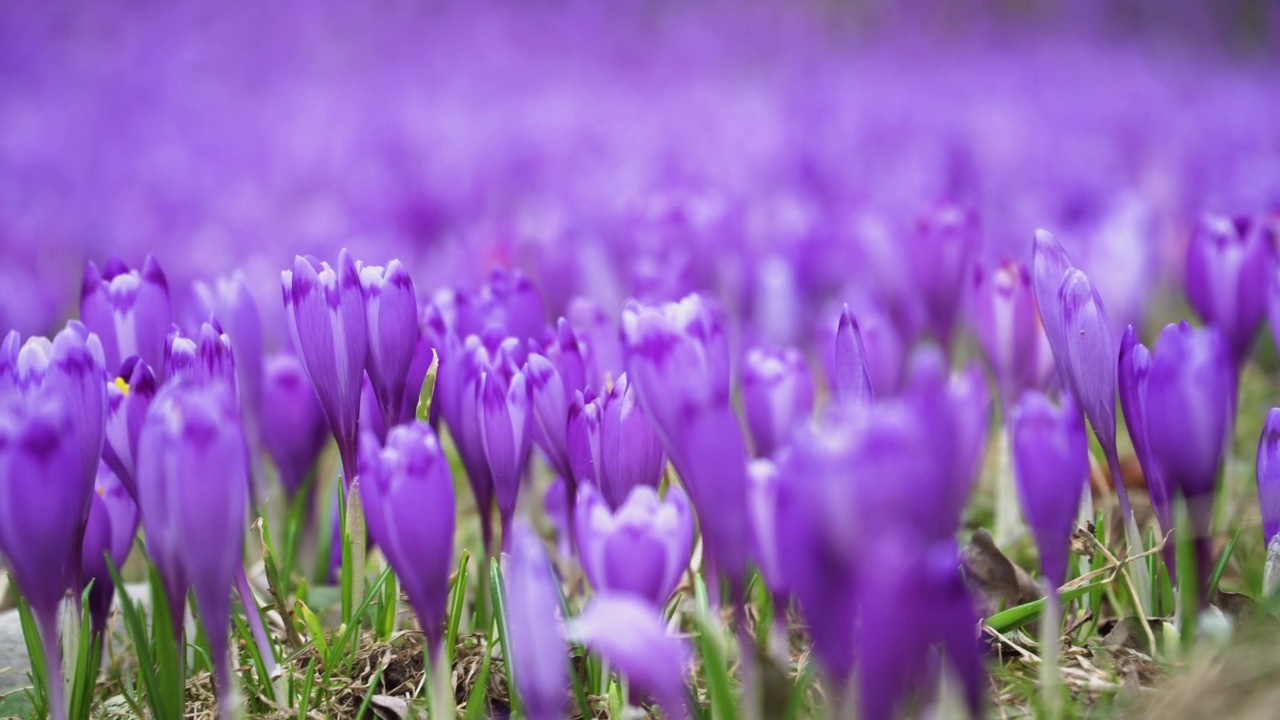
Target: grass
{"x":346,"y":658}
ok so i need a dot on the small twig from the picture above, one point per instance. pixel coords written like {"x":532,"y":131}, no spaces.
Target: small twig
{"x":1133,"y":593}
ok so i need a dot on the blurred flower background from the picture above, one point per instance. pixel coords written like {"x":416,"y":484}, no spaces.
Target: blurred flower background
{"x":773,"y":153}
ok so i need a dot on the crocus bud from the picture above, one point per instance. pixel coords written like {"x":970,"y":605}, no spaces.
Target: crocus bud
{"x":850,"y":382}
{"x":128,"y":398}
{"x":538,"y":657}
{"x":642,"y":549}
{"x":946,"y":241}
{"x":70,"y":370}
{"x":457,"y":388}
{"x":612,"y":444}
{"x":326,"y":313}
{"x":596,"y":329}
{"x":1050,"y":264}
{"x":1133,"y":370}
{"x":113,"y":523}
{"x":1187,"y":406}
{"x":128,"y":309}
{"x":193,"y":493}
{"x":408,"y":498}
{"x":630,"y":636}
{"x":1090,"y":354}
{"x":42,"y":516}
{"x":511,"y":302}
{"x":205,"y":360}
{"x":777,"y":396}
{"x":762,"y":495}
{"x":231,"y":305}
{"x":1229,"y":266}
{"x":293,"y":425}
{"x":1269,"y":476}
{"x":504,"y":405}
{"x":1004,"y":316}
{"x":550,"y":419}
{"x":391,"y":320}
{"x":1051,"y":463}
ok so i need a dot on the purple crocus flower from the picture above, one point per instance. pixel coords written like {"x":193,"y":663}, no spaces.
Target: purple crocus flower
{"x":204,"y":360}
{"x":1269,"y":476}
{"x":678,"y":358}
{"x":70,"y":369}
{"x":1229,"y":267}
{"x":597,"y":330}
{"x":112,"y":526}
{"x":129,"y":309}
{"x":408,"y":497}
{"x":629,"y":634}
{"x":1004,"y":316}
{"x":1133,"y":371}
{"x":391,"y":320}
{"x":511,"y":301}
{"x":128,"y":398}
{"x":293,"y":425}
{"x":612,"y":444}
{"x":640,"y":549}
{"x":538,"y":658}
{"x":504,"y":407}
{"x":193,"y":493}
{"x":457,"y":389}
{"x":1051,"y":463}
{"x":946,"y":241}
{"x":850,"y":381}
{"x":43,"y":505}
{"x":1188,"y":401}
{"x":230,"y":304}
{"x":764,"y":483}
{"x":326,"y":312}
{"x":1083,"y":346}
{"x":550,"y":404}
{"x":777,"y":395}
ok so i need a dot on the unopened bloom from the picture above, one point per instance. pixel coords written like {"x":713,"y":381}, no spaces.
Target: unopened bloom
{"x":642,"y":548}
{"x":128,"y":398}
{"x":408,"y":498}
{"x":43,"y":504}
{"x":1269,"y":476}
{"x":1188,"y":400}
{"x":193,"y":493}
{"x":550,"y":406}
{"x":1051,"y":462}
{"x":777,"y":395}
{"x":391,"y":320}
{"x":69,"y":369}
{"x":538,"y":657}
{"x":612,"y":444}
{"x":128,"y":309}
{"x":1004,"y":316}
{"x":850,"y":381}
{"x":1133,"y":371}
{"x":204,"y":360}
{"x":230,"y":304}
{"x":113,"y":523}
{"x":629,"y":634}
{"x":326,"y":312}
{"x":504,"y":407}
{"x":945,"y":242}
{"x":293,"y":425}
{"x":1229,"y":266}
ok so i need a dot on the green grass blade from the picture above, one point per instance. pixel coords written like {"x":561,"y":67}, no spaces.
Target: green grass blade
{"x":368,"y":696}
{"x":457,"y":603}
{"x":799,"y":691}
{"x":1222,"y":562}
{"x":35,"y":653}
{"x":478,"y":700}
{"x":498,"y":590}
{"x":428,"y":391}
{"x":1019,"y":615}
{"x":711,"y":649}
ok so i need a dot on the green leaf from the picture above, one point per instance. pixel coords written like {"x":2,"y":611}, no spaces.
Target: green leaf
{"x":711,"y":648}
{"x":498,"y":589}
{"x":457,"y":603}
{"x":478,"y":700}
{"x":1188,"y":592}
{"x":1019,"y":615}
{"x":428,"y":388}
{"x":796,"y":703}
{"x":1222,"y":562}
{"x":35,"y":653}
{"x":314,"y":627}
{"x":88,"y":661}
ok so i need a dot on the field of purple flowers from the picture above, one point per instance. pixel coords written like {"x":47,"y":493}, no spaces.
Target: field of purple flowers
{"x":719,"y":360}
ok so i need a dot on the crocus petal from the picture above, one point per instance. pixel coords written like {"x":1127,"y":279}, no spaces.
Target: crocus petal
{"x":391,"y":320}
{"x":1050,"y":264}
{"x":1090,"y":354}
{"x":539,"y":660}
{"x":851,"y":383}
{"x":629,"y":635}
{"x":777,"y":395}
{"x":1269,"y":476}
